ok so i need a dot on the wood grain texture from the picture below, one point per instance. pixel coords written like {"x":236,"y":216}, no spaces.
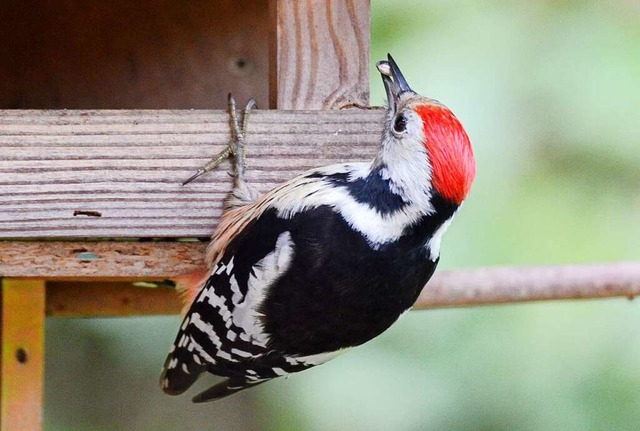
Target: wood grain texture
{"x":108,"y":299}
{"x":122,"y":54}
{"x":106,"y":260}
{"x":319,"y":54}
{"x":118,"y":173}
{"x":22,"y":354}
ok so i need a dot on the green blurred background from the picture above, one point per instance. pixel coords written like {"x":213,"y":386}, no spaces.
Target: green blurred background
{"x":549,"y":92}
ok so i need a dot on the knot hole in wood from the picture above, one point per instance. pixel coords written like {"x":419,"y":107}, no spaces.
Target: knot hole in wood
{"x":21,"y":356}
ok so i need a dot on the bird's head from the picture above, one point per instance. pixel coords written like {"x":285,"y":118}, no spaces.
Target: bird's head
{"x":424,"y":144}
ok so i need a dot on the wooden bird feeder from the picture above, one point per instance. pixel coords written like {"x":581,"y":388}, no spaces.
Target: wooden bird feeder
{"x":106,"y":107}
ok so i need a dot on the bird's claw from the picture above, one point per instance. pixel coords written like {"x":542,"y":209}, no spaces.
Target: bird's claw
{"x":235,"y":147}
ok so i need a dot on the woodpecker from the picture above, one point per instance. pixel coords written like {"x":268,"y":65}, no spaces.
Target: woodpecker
{"x":328,"y":260}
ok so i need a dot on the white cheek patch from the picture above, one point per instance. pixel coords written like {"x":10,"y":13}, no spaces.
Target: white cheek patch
{"x":434,"y":242}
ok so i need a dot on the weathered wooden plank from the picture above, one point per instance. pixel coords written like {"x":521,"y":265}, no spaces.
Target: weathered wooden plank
{"x":118,"y":173}
{"x":108,"y":299}
{"x":22,"y":358}
{"x":319,"y":54}
{"x":100,"y":260}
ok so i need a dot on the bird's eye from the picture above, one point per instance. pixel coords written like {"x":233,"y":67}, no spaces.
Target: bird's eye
{"x":400,"y":124}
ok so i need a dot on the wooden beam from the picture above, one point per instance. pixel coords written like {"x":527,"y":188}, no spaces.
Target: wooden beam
{"x":108,"y":299}
{"x":118,"y":173}
{"x":22,"y":357}
{"x":107,"y":260}
{"x":319,"y":54}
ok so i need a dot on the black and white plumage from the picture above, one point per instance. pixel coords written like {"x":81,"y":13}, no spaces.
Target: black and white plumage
{"x":328,"y":260}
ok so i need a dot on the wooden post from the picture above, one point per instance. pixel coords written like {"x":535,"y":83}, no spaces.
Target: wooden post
{"x":319,"y":54}
{"x":22,"y":309}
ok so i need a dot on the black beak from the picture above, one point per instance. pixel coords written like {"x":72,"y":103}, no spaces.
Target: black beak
{"x":394,"y":82}
{"x":398,"y":77}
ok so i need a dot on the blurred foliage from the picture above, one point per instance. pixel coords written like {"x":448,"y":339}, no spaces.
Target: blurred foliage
{"x":549,"y":94}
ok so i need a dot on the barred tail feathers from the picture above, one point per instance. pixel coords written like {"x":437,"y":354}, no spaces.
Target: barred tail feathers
{"x":181,"y":368}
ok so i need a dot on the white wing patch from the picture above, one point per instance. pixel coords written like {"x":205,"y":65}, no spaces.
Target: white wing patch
{"x":264,"y":273}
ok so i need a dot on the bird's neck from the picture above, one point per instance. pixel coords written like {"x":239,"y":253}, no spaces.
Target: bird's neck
{"x":408,"y":180}
{"x":401,"y":194}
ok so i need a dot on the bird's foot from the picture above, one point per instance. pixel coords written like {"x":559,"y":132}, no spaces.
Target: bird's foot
{"x":235,"y":147}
